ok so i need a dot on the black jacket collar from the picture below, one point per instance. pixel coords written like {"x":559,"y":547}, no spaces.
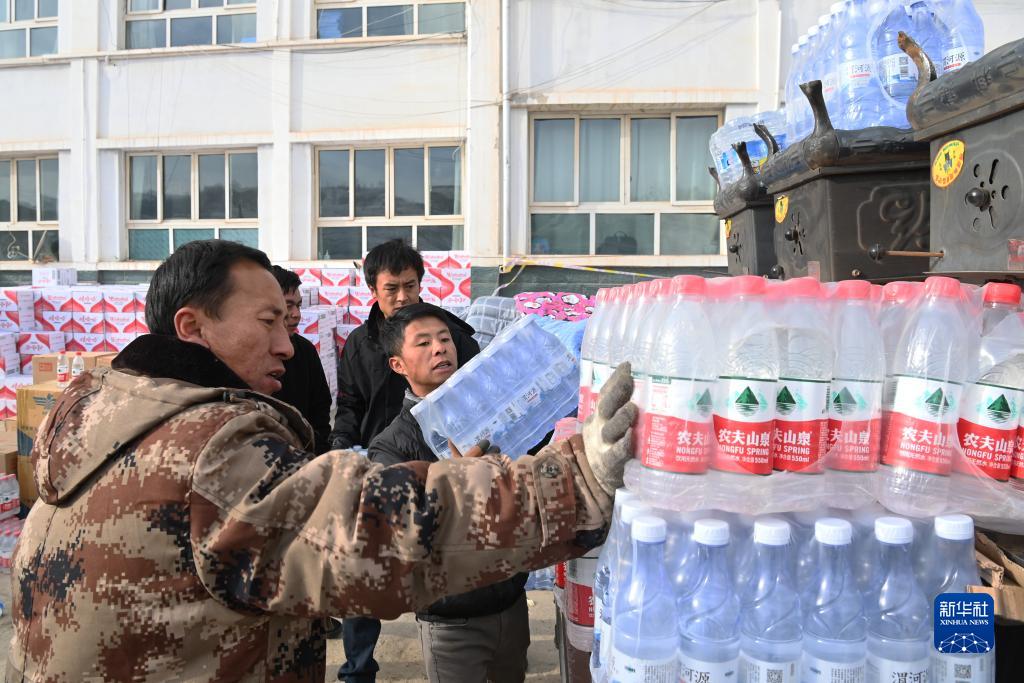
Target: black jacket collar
{"x":158,"y":355}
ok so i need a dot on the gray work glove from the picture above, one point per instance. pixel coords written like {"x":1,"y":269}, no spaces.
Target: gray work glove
{"x":608,"y":433}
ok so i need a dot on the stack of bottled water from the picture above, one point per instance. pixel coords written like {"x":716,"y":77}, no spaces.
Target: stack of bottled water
{"x":511,"y":394}
{"x":712,"y":597}
{"x":910,"y":395}
{"x":742,"y":130}
{"x":866,"y":78}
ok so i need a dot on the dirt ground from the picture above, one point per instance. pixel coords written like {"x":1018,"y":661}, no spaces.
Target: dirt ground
{"x":398,"y":651}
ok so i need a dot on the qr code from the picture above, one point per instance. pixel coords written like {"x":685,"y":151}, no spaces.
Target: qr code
{"x":774,"y":676}
{"x":962,"y":671}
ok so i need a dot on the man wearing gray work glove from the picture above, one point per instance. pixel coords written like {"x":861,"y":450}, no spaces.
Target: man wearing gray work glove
{"x":608,"y":433}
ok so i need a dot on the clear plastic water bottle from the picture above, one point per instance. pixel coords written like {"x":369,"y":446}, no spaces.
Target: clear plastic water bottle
{"x":835,"y":628}
{"x":967,"y":33}
{"x":63,"y":370}
{"x":865,"y":554}
{"x":771,"y":624}
{"x":644,"y":635}
{"x":897,"y":74}
{"x":955,"y":568}
{"x":602,"y":368}
{"x":587,"y":353}
{"x":830,"y":57}
{"x":928,"y":373}
{"x":855,"y":405}
{"x":860,"y":98}
{"x":999,"y":299}
{"x":929,"y":31}
{"x":797,"y":108}
{"x":805,"y":374}
{"x":627,"y":507}
{"x":77,"y":366}
{"x":898,"y":613}
{"x":709,"y":638}
{"x":656,"y":303}
{"x":744,"y":410}
{"x":678,"y":362}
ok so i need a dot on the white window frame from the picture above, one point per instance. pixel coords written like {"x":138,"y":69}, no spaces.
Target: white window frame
{"x":623,"y":205}
{"x":365,"y":4}
{"x":172,"y":224}
{"x":31,"y":227}
{"x":389,"y":219}
{"x":27,"y":25}
{"x":165,"y":15}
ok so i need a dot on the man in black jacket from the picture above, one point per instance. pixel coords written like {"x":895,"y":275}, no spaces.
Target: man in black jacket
{"x":370,"y":397}
{"x":481,"y":635}
{"x":304,"y":385}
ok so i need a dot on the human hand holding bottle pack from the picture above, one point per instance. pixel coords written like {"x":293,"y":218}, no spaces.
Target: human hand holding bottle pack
{"x":608,"y":433}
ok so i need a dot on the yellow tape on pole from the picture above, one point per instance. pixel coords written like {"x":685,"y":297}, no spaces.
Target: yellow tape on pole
{"x":507,"y":268}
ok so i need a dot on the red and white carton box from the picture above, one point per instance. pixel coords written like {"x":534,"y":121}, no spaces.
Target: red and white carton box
{"x":86,"y":323}
{"x":341,"y":334}
{"x":10,"y":321}
{"x":333,"y":296}
{"x":357,"y":315}
{"x":33,"y":343}
{"x":460,"y":259}
{"x":118,"y":300}
{"x":360,"y":296}
{"x":433,"y":259}
{"x":313,"y":321}
{"x":309,"y":295}
{"x":428,"y":297}
{"x":118,"y":340}
{"x":54,"y":299}
{"x":337,"y":277}
{"x":430,"y":278}
{"x":140,"y":299}
{"x":10,"y":364}
{"x":54,"y":277}
{"x":460,"y":281}
{"x":141,"y":326}
{"x":54,"y":321}
{"x":120,"y":323}
{"x":309,"y":276}
{"x":88,"y":342}
{"x":18,"y":300}
{"x":86,"y":300}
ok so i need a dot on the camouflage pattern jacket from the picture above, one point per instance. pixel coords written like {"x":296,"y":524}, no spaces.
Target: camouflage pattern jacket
{"x":183,"y":532}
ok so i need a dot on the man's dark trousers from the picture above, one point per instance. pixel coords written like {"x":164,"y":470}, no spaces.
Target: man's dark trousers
{"x":359,"y":636}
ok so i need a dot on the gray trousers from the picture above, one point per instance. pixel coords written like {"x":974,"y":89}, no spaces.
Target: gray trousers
{"x":478,"y":649}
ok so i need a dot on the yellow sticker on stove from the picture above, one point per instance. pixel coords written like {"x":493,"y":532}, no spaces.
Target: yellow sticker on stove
{"x":948,"y":163}
{"x":781,"y":208}
{"x":728,"y":228}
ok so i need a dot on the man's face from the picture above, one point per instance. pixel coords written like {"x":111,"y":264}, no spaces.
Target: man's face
{"x":293,"y":301}
{"x":394,"y":291}
{"x":428,"y":355}
{"x":250,"y":336}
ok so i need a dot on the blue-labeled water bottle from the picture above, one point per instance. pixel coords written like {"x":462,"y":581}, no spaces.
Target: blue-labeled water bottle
{"x":859,"y":101}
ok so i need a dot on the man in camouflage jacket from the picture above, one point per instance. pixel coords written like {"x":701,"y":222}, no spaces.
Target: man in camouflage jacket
{"x":184,"y":531}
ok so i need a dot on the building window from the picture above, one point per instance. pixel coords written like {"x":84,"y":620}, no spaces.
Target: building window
{"x":336,"y":19}
{"x":28,"y":28}
{"x":614,"y":184}
{"x":174,"y":198}
{"x":368,"y":196}
{"x":179,"y":23}
{"x":29,"y":191}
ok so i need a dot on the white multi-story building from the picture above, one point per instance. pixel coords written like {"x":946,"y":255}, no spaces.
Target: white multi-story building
{"x":315,"y":129}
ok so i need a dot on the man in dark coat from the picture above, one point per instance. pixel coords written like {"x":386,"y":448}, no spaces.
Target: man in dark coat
{"x":304,"y":385}
{"x":481,"y":635}
{"x":370,"y":397}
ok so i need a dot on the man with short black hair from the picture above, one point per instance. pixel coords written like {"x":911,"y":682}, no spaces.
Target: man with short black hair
{"x":304,"y":384}
{"x":370,"y":396}
{"x":482,"y":635}
{"x":185,"y":532}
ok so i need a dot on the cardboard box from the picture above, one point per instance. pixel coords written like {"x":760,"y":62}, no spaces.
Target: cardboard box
{"x":54,"y":321}
{"x":309,"y":295}
{"x":140,"y":299}
{"x":357,"y":315}
{"x":89,"y":343}
{"x":34,"y":403}
{"x":17,"y":309}
{"x":54,"y":277}
{"x":333,"y":296}
{"x":10,"y":321}
{"x":309,"y":276}
{"x":433,"y":259}
{"x":87,"y":323}
{"x":86,"y":300}
{"x":120,"y":323}
{"x":360,"y":296}
{"x":9,"y":438}
{"x":11,"y":462}
{"x":427,"y":296}
{"x":117,"y":341}
{"x":44,"y":366}
{"x":26,"y":481}
{"x":998,"y":567}
{"x":34,"y":343}
{"x":54,"y":299}
{"x":460,"y":259}
{"x":118,"y":300}
{"x":337,"y":277}
{"x":141,"y":327}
